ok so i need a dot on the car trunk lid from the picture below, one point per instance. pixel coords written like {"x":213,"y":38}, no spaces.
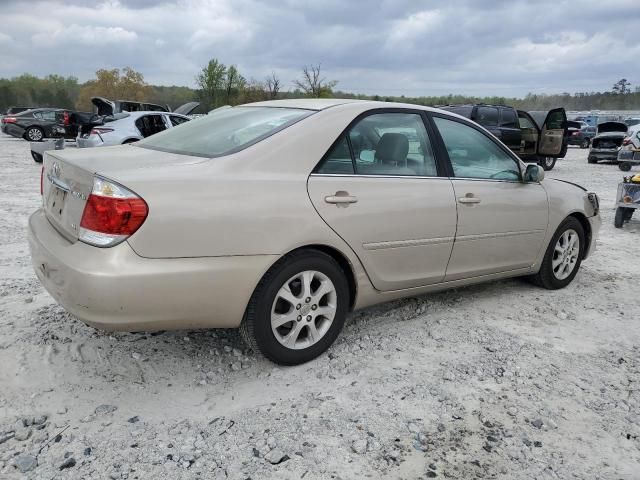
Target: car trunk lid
{"x":187,"y":108}
{"x":68,"y":178}
{"x":609,"y":127}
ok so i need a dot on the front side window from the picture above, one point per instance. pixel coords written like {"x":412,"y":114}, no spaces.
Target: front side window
{"x":384,"y":144}
{"x":487,"y":116}
{"x":225,"y":131}
{"x":474,"y":155}
{"x":176,"y":120}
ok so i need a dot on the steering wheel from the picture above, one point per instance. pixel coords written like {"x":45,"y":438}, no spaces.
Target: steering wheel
{"x":495,"y":175}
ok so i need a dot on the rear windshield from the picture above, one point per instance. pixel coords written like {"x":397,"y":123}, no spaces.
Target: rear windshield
{"x":224,"y":131}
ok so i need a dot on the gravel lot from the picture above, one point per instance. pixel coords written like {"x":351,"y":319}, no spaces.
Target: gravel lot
{"x":502,"y":380}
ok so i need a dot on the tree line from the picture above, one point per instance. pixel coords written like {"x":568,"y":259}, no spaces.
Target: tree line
{"x":219,"y":84}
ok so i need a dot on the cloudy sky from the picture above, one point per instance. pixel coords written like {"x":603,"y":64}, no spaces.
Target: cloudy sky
{"x":388,"y":47}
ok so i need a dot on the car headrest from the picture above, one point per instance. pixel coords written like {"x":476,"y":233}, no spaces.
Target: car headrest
{"x":392,"y":148}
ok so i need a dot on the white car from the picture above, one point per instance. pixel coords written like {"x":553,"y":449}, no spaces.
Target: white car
{"x":128,"y":127}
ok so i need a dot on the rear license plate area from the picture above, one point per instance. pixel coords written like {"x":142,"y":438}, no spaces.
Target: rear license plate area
{"x":57,"y":200}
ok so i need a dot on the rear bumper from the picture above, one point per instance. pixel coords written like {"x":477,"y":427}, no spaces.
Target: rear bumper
{"x":88,"y":142}
{"x":115,"y":289}
{"x":609,"y":154}
{"x":13,"y":130}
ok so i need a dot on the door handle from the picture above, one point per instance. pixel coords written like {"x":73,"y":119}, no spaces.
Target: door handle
{"x":340,"y":198}
{"x":469,"y":199}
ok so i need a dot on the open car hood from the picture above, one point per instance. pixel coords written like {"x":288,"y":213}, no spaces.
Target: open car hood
{"x":187,"y":108}
{"x":608,"y":127}
{"x":104,"y":106}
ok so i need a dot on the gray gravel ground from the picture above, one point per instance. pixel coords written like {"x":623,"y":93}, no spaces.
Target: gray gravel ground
{"x":502,"y":380}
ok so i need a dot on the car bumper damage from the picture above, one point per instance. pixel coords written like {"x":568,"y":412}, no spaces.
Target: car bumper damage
{"x":116,"y":289}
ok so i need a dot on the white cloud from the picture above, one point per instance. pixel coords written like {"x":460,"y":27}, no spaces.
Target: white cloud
{"x":84,"y":36}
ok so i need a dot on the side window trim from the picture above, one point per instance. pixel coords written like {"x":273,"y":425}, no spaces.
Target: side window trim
{"x":443,"y":149}
{"x":423,"y":114}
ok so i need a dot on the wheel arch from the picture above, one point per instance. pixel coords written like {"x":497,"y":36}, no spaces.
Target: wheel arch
{"x":341,"y":259}
{"x":586,"y":226}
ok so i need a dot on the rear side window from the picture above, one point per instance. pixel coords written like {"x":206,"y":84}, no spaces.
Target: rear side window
{"x":150,"y":125}
{"x":383,"y":144}
{"x":225,"y":131}
{"x":487,"y":116}
{"x":509,"y":118}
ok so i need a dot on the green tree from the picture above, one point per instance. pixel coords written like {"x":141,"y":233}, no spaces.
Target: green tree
{"x":211,"y":81}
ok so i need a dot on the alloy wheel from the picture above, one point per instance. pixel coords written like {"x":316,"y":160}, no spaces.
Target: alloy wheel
{"x":303,"y":310}
{"x":565,"y":255}
{"x":34,"y":134}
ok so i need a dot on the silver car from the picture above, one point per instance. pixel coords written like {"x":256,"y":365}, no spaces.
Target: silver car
{"x":128,"y":127}
{"x":280,"y":217}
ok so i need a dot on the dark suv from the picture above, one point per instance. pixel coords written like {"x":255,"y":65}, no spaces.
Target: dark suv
{"x":539,"y":137}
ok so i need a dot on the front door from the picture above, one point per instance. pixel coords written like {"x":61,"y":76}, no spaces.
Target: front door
{"x":553,"y":136}
{"x":502,"y":221}
{"x":379,"y":189}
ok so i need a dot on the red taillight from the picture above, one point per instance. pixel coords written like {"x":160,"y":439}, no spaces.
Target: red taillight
{"x":99,"y":131}
{"x":111,"y":214}
{"x":42,"y":181}
{"x":65,"y":118}
{"x":9,"y":120}
{"x":575,"y":134}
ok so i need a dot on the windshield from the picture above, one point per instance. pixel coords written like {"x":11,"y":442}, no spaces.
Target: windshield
{"x":224,"y":131}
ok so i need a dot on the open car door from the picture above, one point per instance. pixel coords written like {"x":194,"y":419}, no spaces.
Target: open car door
{"x":187,"y":108}
{"x":553,"y":134}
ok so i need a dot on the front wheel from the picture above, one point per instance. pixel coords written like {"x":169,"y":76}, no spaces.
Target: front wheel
{"x":547,"y":163}
{"x":34,"y":134}
{"x":563,"y":256}
{"x":624,"y":166}
{"x":298,"y":308}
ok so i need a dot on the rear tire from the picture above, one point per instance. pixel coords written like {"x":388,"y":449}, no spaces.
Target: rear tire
{"x":34,"y":134}
{"x":550,"y":275}
{"x":547,"y":163}
{"x":624,"y":166}
{"x":591,"y":159}
{"x":36,"y":157}
{"x":585,"y":143}
{"x":290,"y":319}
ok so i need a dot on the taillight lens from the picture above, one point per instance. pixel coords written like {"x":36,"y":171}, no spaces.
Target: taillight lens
{"x":112,"y":213}
{"x":100,"y":131}
{"x":9,"y":120}
{"x":65,"y":118}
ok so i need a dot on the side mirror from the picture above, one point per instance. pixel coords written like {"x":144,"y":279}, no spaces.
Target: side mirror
{"x":534,"y":173}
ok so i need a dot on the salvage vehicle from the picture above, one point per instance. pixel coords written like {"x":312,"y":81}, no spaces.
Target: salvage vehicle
{"x":539,"y":137}
{"x":94,"y":130}
{"x":607,"y":142}
{"x":580,"y":133}
{"x":627,"y":200}
{"x":107,"y":107}
{"x":629,"y":153}
{"x":280,"y":217}
{"x":35,"y":125}
{"x":128,"y":127}
{"x":14,"y":110}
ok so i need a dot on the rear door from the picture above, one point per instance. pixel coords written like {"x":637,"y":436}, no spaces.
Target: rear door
{"x":380,"y":188}
{"x":502,"y":220}
{"x":553,"y":136}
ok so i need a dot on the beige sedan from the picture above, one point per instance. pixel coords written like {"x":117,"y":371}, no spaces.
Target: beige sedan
{"x":281,"y":217}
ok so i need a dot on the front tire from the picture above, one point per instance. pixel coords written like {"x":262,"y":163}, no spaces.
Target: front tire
{"x":34,"y":134}
{"x":563,"y":256}
{"x":298,"y":308}
{"x":591,"y":159}
{"x":547,"y":163}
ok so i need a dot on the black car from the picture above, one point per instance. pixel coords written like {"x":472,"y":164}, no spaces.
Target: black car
{"x":580,"y":133}
{"x":37,"y":124}
{"x":536,"y":137}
